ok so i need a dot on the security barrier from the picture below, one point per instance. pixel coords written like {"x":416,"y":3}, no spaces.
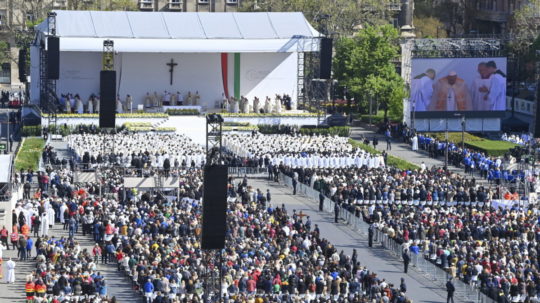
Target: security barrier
{"x":467,"y":292}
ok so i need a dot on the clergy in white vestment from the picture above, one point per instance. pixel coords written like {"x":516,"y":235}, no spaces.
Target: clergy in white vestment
{"x":189,"y":98}
{"x":277,"y":105}
{"x":155,"y":100}
{"x":173,"y":98}
{"x":480,"y":88}
{"x":50,"y":214}
{"x":44,"y":228}
{"x":256,"y":105}
{"x":196,"y":98}
{"x":79,"y":104}
{"x":267,"y":105}
{"x":68,"y":106}
{"x":147,"y":100}
{"x":119,"y":106}
{"x":10,"y":268}
{"x":414,"y":142}
{"x":497,"y":90}
{"x":422,"y":90}
{"x":236,"y":105}
{"x":90,"y":106}
{"x":96,"y":104}
{"x":179,"y":98}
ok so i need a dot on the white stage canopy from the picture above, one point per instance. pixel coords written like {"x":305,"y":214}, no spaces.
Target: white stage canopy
{"x":166,"y":32}
{"x":216,"y":54}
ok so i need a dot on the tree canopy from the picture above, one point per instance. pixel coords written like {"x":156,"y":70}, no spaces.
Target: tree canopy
{"x":344,"y":16}
{"x":365,"y":64}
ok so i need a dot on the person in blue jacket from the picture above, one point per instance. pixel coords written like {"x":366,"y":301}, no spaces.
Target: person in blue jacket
{"x":148,"y":289}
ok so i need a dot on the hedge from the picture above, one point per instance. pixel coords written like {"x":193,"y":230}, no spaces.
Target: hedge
{"x":29,"y":154}
{"x":491,"y":148}
{"x":232,"y":123}
{"x":341,"y":131}
{"x":31,"y":131}
{"x":269,"y":129}
{"x":454,"y":137}
{"x":241,"y":128}
{"x":182,"y":112}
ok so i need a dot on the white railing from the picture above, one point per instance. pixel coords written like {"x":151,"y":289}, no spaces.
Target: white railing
{"x":522,"y":106}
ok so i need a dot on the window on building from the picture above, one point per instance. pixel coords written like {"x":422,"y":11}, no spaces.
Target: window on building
{"x":29,"y":17}
{"x":5,"y":73}
{"x":494,"y":5}
{"x":203,"y":1}
{"x":3,"y":18}
{"x":232,"y":1}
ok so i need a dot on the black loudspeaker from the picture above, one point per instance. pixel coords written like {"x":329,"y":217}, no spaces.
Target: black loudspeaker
{"x":53,"y":58}
{"x":107,"y":103}
{"x":22,"y":65}
{"x":326,"y":58}
{"x":214,"y":207}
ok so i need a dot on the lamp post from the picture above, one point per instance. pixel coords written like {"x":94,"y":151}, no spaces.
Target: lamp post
{"x":462,"y":131}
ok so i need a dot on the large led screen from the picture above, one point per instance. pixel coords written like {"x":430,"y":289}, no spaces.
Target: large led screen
{"x":458,"y":84}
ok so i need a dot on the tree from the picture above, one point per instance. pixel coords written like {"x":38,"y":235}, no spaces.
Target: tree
{"x":429,"y":27}
{"x":364,"y":63}
{"x":445,"y":17}
{"x":343,"y":15}
{"x":525,"y":26}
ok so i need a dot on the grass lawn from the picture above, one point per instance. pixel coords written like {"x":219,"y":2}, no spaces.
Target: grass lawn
{"x":490,"y":147}
{"x":392,"y":161}
{"x":29,"y":154}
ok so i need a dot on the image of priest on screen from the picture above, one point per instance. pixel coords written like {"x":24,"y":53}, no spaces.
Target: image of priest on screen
{"x":497,"y":89}
{"x":450,"y":93}
{"x":422,"y":90}
{"x":480,"y":88}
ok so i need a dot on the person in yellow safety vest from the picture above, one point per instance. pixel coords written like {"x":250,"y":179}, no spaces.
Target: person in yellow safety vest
{"x":41,"y":288}
{"x":30,"y":288}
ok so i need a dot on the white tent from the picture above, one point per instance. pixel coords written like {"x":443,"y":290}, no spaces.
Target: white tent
{"x":261,"y":52}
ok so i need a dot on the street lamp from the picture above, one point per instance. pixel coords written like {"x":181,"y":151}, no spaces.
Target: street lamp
{"x":463,"y":132}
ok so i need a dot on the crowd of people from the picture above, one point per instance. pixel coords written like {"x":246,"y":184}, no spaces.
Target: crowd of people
{"x":494,"y":249}
{"x":270,"y":255}
{"x":521,"y":139}
{"x":300,"y":151}
{"x":137,"y":150}
{"x":154,"y":240}
{"x":244,"y":105}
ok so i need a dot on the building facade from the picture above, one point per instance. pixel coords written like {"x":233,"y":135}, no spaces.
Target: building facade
{"x":492,"y":16}
{"x":17,"y":16}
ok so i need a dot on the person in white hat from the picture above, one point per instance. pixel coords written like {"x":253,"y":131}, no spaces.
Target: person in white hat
{"x":450,"y":93}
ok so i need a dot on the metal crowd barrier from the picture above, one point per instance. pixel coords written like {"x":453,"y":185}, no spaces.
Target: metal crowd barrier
{"x":420,"y":261}
{"x":241,"y":171}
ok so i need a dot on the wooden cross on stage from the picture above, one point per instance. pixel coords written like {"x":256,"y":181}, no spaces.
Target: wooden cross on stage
{"x":171,"y":65}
